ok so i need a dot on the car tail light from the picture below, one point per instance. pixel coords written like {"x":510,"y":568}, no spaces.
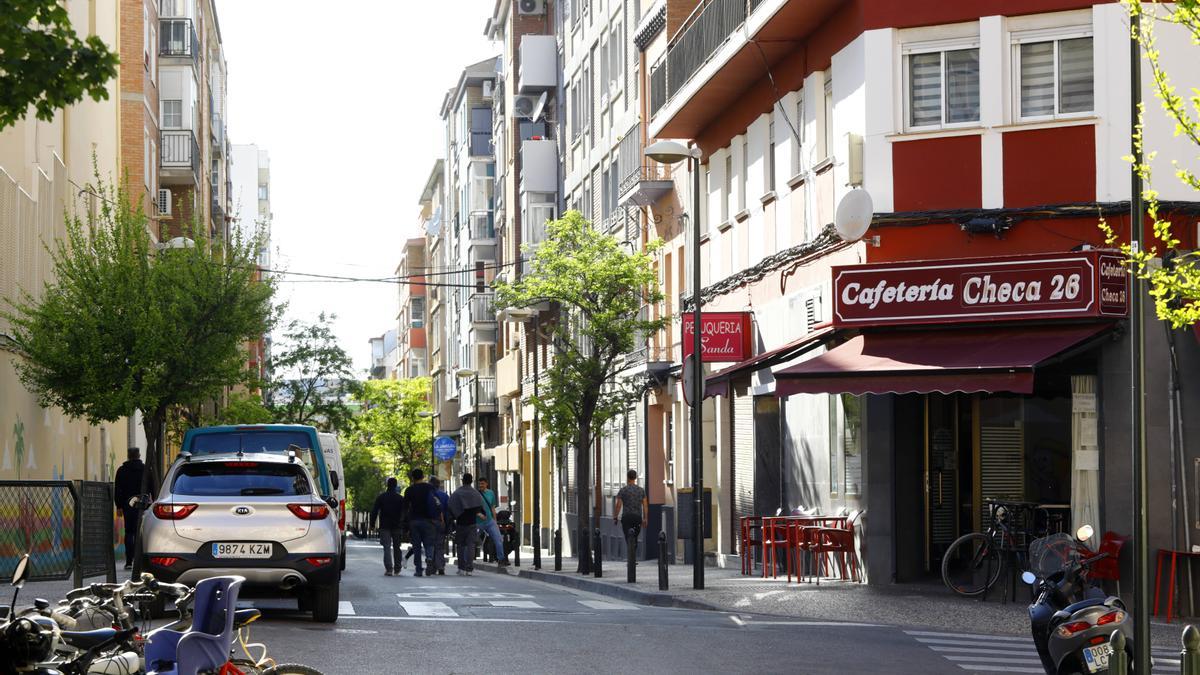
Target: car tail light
{"x":164,"y":511}
{"x":342,"y":515}
{"x":318,"y":562}
{"x":309,"y":511}
{"x":163,"y":562}
{"x":1068,"y":629}
{"x":1115,"y":616}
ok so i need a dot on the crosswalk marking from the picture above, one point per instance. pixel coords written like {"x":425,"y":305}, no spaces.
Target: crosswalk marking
{"x":1005,"y":653}
{"x":428,"y":609}
{"x":345,"y":608}
{"x":518,"y":604}
{"x":605,"y":604}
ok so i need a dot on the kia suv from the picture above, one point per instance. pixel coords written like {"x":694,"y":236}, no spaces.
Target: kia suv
{"x":254,"y":515}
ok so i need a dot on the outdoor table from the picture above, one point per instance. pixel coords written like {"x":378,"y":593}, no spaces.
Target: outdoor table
{"x":1163,"y":553}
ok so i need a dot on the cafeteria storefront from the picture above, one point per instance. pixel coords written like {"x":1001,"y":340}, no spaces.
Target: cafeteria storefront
{"x":977,"y":379}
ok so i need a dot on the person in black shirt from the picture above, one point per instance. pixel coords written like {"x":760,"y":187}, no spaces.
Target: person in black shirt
{"x":419,"y":496}
{"x":466,"y":506}
{"x":390,"y":508}
{"x":127,"y":484}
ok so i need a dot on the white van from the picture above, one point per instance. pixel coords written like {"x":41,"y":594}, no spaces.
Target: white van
{"x":337,"y":477}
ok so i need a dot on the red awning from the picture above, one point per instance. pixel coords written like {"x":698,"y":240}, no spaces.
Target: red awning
{"x":718,"y":383}
{"x":936,"y":360}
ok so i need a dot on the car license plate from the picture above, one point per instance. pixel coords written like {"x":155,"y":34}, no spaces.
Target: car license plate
{"x":1097,"y":657}
{"x":241,"y":550}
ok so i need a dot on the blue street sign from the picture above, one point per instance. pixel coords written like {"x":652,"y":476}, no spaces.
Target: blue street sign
{"x":444,"y":448}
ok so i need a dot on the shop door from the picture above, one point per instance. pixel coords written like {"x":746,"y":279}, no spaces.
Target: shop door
{"x":742,"y":455}
{"x":947,"y":473}
{"x":768,"y":466}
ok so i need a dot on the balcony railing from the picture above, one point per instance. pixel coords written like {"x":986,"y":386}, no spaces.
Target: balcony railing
{"x":217,"y":129}
{"x":467,"y":394}
{"x":483,"y":308}
{"x":483,"y":226}
{"x":177,"y":37}
{"x":179,"y":150}
{"x":648,"y":171}
{"x":700,"y":36}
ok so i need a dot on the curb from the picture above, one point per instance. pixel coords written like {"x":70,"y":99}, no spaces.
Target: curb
{"x":639,"y":597}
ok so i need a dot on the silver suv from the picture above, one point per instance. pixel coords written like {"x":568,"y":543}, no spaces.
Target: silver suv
{"x":257,"y":516}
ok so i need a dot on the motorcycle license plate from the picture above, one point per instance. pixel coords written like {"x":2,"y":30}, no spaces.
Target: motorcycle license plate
{"x":241,"y":550}
{"x":1097,"y":657}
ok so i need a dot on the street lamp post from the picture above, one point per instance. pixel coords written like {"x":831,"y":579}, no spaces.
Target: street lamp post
{"x":432,"y":437}
{"x":673,"y":152}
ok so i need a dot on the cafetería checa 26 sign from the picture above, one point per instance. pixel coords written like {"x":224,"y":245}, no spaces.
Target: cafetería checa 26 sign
{"x":1087,"y":284}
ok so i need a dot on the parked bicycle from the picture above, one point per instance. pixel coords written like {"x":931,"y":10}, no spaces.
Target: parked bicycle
{"x":975,"y":561}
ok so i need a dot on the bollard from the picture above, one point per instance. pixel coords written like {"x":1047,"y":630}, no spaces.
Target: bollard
{"x":662,"y":561}
{"x":1189,"y":656}
{"x":631,"y":555}
{"x":558,"y":550}
{"x":516,"y":551}
{"x":1118,"y":661}
{"x":597,"y":553}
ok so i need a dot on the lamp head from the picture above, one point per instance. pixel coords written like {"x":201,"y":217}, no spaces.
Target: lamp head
{"x":667,"y":152}
{"x":464,"y":372}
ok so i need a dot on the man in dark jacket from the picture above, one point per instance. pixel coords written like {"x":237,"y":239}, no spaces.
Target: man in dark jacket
{"x":419,"y":496}
{"x":466,"y":506}
{"x":390,"y":509}
{"x":126,"y":485}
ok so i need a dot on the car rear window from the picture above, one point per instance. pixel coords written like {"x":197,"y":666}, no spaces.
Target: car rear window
{"x":248,"y":441}
{"x":240,"y":479}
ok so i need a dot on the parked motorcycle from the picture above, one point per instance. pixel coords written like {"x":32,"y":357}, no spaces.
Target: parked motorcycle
{"x":508,"y":530}
{"x":1071,"y":620}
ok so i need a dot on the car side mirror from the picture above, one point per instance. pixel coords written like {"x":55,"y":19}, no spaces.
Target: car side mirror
{"x":332,"y":502}
{"x":333,"y":478}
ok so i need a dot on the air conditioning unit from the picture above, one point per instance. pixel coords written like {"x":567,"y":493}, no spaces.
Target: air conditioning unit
{"x":525,"y":106}
{"x":164,"y":202}
{"x":531,"y":7}
{"x":487,"y":88}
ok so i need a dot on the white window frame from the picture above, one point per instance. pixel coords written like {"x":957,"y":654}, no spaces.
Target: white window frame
{"x":798,"y":136}
{"x":941,"y":47}
{"x":1054,"y":35}
{"x":162,"y":113}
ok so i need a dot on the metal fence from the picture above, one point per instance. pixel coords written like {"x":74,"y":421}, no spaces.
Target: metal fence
{"x":66,"y":527}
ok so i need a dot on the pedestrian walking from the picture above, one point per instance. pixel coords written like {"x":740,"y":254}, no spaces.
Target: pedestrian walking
{"x":466,"y":506}
{"x":485,"y":489}
{"x":390,"y":509}
{"x":441,"y":523}
{"x":631,"y":506}
{"x":419,"y":496}
{"x":488,"y":524}
{"x":127,"y":484}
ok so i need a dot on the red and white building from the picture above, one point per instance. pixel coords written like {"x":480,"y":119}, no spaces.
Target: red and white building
{"x":989,"y":136}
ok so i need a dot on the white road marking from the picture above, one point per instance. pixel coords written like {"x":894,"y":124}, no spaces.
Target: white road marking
{"x":454,"y":618}
{"x":976,"y":650}
{"x":605,"y":604}
{"x":949,"y":642}
{"x":843,"y":624}
{"x":345,"y":608}
{"x":518,"y":604}
{"x":737,"y":620}
{"x":1000,"y":653}
{"x":355,"y":631}
{"x":1013,"y":660}
{"x":1007,"y":638}
{"x":428,"y":609}
{"x":473,"y":595}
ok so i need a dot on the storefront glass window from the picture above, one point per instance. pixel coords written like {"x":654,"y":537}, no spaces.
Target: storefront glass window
{"x":851,"y":444}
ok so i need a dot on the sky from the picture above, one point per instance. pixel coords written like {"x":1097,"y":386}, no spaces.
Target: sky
{"x":346,"y":99}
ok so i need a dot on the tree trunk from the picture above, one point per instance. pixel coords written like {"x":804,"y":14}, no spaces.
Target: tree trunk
{"x":582,"y":485}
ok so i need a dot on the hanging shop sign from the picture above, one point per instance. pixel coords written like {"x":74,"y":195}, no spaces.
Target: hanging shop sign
{"x":1087,"y":284}
{"x":724,"y":336}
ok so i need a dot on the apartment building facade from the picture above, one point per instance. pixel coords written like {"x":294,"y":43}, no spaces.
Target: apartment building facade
{"x":469,"y":244}
{"x":45,"y":168}
{"x":433,"y":221}
{"x":412,"y":359}
{"x":249,"y":194}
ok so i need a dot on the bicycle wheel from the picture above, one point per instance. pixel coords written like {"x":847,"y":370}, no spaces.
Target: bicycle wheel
{"x":971,"y":565}
{"x":291,"y":669}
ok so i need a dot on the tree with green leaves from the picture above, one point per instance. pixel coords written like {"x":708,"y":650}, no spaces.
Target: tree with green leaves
{"x":313,"y":376}
{"x":599,"y":288}
{"x":1174,"y":285}
{"x":389,"y":425}
{"x":127,"y":324}
{"x":240,"y":408}
{"x":365,"y":477}
{"x":44,"y":64}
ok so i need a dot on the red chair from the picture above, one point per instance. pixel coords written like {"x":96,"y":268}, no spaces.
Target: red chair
{"x":775,"y":536}
{"x":751,"y":538}
{"x":840,"y":542}
{"x":1109,"y":568}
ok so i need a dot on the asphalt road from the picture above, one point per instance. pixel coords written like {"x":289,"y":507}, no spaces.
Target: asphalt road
{"x":495,"y":623}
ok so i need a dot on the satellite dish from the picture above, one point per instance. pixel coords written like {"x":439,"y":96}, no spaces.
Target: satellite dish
{"x":853,"y":215}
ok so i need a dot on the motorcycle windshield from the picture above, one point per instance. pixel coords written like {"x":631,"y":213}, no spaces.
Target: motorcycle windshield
{"x":1052,"y":554}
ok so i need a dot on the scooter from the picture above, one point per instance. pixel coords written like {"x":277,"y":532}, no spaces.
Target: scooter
{"x":1070,"y":619}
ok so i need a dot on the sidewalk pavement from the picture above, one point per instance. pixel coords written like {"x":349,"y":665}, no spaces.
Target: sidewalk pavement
{"x":927,"y":605}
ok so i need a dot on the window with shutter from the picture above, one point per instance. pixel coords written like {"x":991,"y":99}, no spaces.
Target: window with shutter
{"x":1055,"y":77}
{"x":943,"y":87}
